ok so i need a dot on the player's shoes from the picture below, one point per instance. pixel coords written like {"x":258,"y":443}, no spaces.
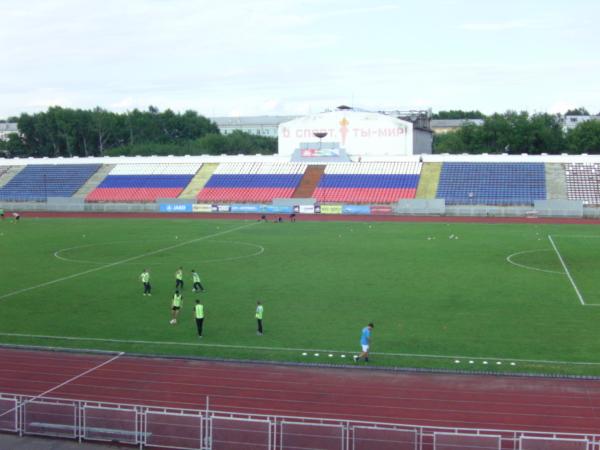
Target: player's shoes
{"x":173,"y":321}
{"x":355,"y":358}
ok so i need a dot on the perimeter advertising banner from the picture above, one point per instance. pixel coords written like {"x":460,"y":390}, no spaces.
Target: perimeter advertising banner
{"x":381,"y":210}
{"x":356,"y":209}
{"x":168,"y":208}
{"x":202,"y":208}
{"x":220,"y":208}
{"x":245,"y":208}
{"x":306,"y":209}
{"x":331,"y":209}
{"x":277,"y":209}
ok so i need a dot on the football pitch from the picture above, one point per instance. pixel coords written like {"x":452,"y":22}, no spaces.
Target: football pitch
{"x":476,"y":297}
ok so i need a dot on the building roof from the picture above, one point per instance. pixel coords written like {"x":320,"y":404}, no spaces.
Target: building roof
{"x":251,"y":120}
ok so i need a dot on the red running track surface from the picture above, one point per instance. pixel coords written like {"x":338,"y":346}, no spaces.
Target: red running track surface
{"x":473,"y":401}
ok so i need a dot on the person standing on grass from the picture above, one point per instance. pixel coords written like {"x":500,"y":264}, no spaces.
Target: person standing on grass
{"x":175,"y":307}
{"x":259,"y":318}
{"x":197,"y":286}
{"x":145,"y":278}
{"x":365,"y":343}
{"x":179,"y":278}
{"x":199,"y":316}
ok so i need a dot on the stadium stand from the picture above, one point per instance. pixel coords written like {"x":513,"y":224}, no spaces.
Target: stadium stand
{"x":463,"y":183}
{"x":252,"y":182}
{"x":3,"y":170}
{"x":583,"y":182}
{"x":143,"y":182}
{"x":380,"y":182}
{"x":38,"y":182}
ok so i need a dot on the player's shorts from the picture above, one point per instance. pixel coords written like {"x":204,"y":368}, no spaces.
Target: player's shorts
{"x":365,"y":348}
{"x":176,"y":308}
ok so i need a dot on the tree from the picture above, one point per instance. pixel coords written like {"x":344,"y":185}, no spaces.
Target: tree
{"x":458,"y":114}
{"x":584,"y":138}
{"x":581,"y":111}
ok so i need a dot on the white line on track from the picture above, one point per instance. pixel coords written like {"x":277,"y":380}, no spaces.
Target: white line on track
{"x":509,"y":259}
{"x":70,"y":380}
{"x":560,"y":258}
{"x":292,"y":349}
{"x":123,"y":261}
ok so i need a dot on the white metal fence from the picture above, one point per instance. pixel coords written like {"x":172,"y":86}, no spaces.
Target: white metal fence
{"x":208,"y":429}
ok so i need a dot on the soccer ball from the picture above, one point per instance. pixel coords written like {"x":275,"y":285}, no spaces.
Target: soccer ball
{"x":173,"y":321}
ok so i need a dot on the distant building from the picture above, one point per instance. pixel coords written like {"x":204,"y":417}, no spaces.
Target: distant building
{"x":570,"y":122}
{"x":441,"y":126}
{"x":6,"y":129}
{"x":258,"y":125}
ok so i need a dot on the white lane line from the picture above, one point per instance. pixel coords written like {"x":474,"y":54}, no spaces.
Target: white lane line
{"x":560,"y":258}
{"x":509,"y":259}
{"x":123,"y":261}
{"x":70,"y":380}
{"x":292,"y":349}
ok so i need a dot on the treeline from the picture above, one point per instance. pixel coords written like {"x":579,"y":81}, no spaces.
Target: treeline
{"x":98,"y":132}
{"x":519,"y":132}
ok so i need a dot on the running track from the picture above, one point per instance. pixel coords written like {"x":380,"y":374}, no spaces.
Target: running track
{"x":472,"y":401}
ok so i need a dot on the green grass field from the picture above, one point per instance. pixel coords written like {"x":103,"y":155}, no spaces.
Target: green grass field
{"x":434,"y":300}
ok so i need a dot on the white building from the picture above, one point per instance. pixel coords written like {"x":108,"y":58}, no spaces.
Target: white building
{"x":570,"y":122}
{"x":259,"y":125}
{"x":6,"y":129}
{"x":358,"y":133}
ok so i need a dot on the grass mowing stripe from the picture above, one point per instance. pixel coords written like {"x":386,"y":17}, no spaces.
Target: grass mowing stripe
{"x":567,"y":271}
{"x":288,"y":349}
{"x":123,"y":261}
{"x":64,"y":383}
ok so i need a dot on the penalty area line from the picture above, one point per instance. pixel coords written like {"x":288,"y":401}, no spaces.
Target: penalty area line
{"x":123,"y":261}
{"x":292,"y":349}
{"x":560,"y":258}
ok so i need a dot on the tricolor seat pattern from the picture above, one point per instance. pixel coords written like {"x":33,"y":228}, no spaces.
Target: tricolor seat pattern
{"x":380,"y":182}
{"x":143,"y":182}
{"x":37,"y":182}
{"x":492,"y":183}
{"x":252,"y":182}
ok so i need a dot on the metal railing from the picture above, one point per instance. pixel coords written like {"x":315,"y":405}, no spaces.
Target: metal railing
{"x":208,"y":429}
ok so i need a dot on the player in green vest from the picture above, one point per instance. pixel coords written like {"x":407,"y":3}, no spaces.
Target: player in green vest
{"x":197,"y":286}
{"x":179,"y":278}
{"x":175,"y":307}
{"x":259,"y":318}
{"x":145,"y":279}
{"x":199,"y":316}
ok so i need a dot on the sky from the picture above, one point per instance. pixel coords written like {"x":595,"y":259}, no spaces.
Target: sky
{"x":284,"y":57}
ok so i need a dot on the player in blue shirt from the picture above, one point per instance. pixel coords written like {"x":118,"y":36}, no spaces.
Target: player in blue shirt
{"x":365,"y":343}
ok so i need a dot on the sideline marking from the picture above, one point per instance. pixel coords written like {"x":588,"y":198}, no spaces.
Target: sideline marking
{"x":123,"y":261}
{"x":567,"y":271}
{"x":509,"y":259}
{"x":292,"y":349}
{"x":82,"y":374}
{"x":58,"y":253}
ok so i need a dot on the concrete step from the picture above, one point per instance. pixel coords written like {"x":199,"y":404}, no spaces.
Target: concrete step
{"x":10,"y":174}
{"x":199,"y":181}
{"x":429,"y":180}
{"x":94,"y":181}
{"x":556,"y":182}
